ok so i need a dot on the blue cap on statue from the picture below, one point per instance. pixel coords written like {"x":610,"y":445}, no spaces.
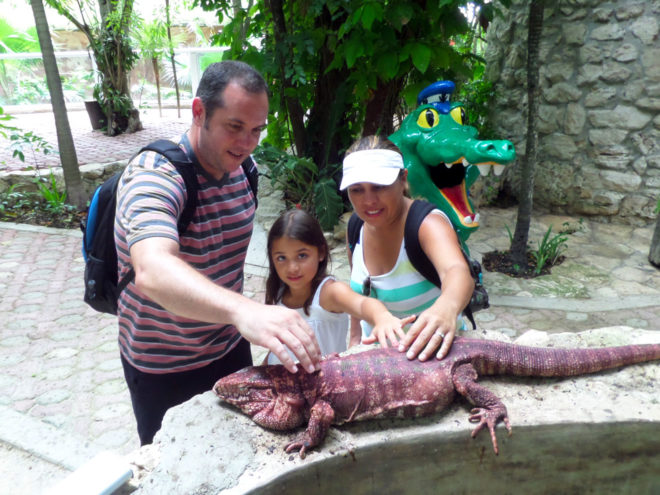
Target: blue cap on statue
{"x":437,"y":94}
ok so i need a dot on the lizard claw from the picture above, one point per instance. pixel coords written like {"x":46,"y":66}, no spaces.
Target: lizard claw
{"x":299,"y":443}
{"x":489,"y":418}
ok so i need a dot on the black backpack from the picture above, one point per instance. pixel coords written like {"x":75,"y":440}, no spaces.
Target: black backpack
{"x":417,"y":213}
{"x":102,"y":287}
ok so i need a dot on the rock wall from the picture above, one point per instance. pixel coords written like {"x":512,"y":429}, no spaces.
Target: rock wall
{"x":599,"y":152}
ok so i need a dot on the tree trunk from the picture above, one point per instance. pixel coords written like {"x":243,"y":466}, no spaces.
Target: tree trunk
{"x":68,"y":157}
{"x":325,"y":139}
{"x":154,"y":63}
{"x":528,"y":164}
{"x":293,"y":106}
{"x":382,"y":107}
{"x":654,"y":252}
{"x":171,"y":46}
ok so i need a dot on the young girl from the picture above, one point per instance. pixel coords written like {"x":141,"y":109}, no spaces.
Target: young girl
{"x":298,"y":261}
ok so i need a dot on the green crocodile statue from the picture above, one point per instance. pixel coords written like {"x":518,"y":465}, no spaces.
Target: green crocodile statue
{"x":444,"y":157}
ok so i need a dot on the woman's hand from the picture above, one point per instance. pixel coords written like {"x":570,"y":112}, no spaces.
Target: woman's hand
{"x":433,"y":331}
{"x":388,"y":327}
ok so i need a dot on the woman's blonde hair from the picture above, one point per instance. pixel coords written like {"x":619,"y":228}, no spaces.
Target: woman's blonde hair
{"x":377,"y":142}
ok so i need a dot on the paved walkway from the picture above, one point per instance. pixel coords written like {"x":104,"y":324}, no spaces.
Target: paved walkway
{"x":63,"y":394}
{"x":91,"y":146}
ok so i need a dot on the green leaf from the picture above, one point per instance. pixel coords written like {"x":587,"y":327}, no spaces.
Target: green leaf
{"x":421,"y":56}
{"x":354,"y":50}
{"x":387,"y":65}
{"x":327,"y":202}
{"x":370,"y":12}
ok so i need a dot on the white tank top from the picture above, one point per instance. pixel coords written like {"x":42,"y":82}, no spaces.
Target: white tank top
{"x":331,"y":329}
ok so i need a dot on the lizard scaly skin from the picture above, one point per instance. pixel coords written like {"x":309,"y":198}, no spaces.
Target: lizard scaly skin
{"x":383,"y":383}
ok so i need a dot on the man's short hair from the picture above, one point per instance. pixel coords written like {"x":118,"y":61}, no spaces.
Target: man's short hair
{"x":218,"y":75}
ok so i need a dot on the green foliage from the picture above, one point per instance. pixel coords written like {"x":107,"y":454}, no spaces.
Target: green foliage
{"x":476,"y":96}
{"x":115,"y":58}
{"x":338,"y":67}
{"x":33,"y":208}
{"x":12,"y":72}
{"x":150,"y":38}
{"x":20,"y":139}
{"x":549,"y":249}
{"x":55,"y":200}
{"x":328,"y":60}
{"x":510,"y":234}
{"x":7,"y":199}
{"x":108,"y":33}
{"x":293,"y":176}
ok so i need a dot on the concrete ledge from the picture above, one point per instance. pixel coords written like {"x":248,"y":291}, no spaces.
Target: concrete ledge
{"x":206,"y":447}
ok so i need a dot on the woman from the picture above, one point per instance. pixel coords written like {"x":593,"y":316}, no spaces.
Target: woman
{"x":376,"y":180}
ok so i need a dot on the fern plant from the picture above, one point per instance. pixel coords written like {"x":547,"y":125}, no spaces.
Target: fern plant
{"x":549,"y":250}
{"x":302,"y":185}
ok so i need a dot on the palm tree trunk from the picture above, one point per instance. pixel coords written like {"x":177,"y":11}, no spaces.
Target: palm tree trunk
{"x":169,"y":38}
{"x":528,"y":165}
{"x":68,"y":157}
{"x":154,"y":63}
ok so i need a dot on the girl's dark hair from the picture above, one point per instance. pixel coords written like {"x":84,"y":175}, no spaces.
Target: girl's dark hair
{"x":301,"y":226}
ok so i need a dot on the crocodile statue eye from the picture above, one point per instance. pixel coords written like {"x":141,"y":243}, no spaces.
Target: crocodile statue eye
{"x":428,"y":118}
{"x":459,"y":115}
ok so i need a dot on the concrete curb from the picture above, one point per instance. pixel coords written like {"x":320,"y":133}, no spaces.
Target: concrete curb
{"x":45,"y":442}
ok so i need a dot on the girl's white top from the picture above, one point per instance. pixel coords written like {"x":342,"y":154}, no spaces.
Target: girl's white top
{"x":331,"y":329}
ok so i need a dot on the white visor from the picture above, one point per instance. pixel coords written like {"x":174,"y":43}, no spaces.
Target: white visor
{"x":380,"y":167}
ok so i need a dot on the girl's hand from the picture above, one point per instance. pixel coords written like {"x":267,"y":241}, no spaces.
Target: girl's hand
{"x":388,"y":328}
{"x":434,"y":330}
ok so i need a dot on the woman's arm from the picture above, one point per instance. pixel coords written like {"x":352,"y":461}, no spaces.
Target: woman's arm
{"x":436,"y":326}
{"x":338,"y":297}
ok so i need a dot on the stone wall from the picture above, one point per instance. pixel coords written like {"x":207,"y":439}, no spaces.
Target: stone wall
{"x":599,"y":152}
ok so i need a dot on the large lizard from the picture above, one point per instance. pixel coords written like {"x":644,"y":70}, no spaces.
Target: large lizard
{"x":383,"y":383}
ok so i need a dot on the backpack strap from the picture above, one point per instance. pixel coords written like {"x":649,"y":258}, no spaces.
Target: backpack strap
{"x":252,"y":173}
{"x":353,"y":231}
{"x":177,"y":157}
{"x":416,"y":214}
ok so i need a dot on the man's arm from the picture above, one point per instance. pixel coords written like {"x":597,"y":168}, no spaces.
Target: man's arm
{"x":175,"y":285}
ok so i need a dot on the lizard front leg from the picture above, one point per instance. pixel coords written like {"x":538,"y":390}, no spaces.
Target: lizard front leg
{"x":321,"y":416}
{"x":489,"y":411}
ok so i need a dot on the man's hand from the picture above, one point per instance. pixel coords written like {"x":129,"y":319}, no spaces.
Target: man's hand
{"x":275,"y":327}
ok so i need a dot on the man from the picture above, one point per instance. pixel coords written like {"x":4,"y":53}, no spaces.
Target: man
{"x":183,"y":322}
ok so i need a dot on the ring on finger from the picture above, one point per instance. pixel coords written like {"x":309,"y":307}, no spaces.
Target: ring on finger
{"x":440,"y":334}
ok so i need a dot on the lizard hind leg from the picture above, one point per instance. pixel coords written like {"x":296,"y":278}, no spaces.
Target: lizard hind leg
{"x":489,"y":411}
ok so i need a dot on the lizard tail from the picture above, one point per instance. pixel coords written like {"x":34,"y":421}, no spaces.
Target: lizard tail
{"x":548,"y":362}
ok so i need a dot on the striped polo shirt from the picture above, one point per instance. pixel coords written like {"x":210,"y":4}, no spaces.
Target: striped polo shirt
{"x":150,"y":198}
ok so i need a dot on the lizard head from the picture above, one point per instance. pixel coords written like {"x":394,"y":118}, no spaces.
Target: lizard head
{"x":270,"y":395}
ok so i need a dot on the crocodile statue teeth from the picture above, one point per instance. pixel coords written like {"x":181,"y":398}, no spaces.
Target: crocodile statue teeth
{"x":444,"y":156}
